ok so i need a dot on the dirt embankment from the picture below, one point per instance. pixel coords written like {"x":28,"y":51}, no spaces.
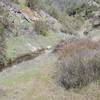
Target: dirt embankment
{"x":22,"y":58}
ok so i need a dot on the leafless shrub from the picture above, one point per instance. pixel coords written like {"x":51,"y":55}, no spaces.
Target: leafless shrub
{"x":78,"y":66}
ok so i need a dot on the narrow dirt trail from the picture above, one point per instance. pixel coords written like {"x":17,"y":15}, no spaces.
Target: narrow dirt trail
{"x":25,"y":66}
{"x":15,"y":76}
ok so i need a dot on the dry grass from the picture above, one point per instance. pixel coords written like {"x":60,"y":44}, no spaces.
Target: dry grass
{"x":67,"y":47}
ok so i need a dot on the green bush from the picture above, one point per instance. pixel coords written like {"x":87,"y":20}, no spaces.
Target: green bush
{"x":86,"y":9}
{"x":34,"y":4}
{"x":3,"y":25}
{"x":54,"y":12}
{"x":2,"y":46}
{"x":15,"y":1}
{"x":98,"y":1}
{"x":41,"y":27}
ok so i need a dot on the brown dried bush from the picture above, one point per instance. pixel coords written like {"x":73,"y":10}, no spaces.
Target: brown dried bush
{"x":78,"y":64}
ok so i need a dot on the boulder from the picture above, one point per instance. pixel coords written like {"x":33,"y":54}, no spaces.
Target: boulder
{"x":96,"y":22}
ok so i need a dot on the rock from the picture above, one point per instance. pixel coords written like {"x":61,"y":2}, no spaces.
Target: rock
{"x":96,"y":22}
{"x":29,"y":15}
{"x":93,"y":3}
{"x":94,"y":34}
{"x":49,"y":47}
{"x":97,"y":13}
{"x":2,"y":92}
{"x":31,"y":47}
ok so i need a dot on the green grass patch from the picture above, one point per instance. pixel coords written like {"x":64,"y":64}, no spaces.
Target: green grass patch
{"x":24,"y":76}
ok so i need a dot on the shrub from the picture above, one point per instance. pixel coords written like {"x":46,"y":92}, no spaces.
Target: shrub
{"x":70,"y":23}
{"x":2,"y":46}
{"x":3,"y":25}
{"x":78,"y":66}
{"x":34,"y":4}
{"x":15,"y":1}
{"x":54,"y":12}
{"x":41,"y":27}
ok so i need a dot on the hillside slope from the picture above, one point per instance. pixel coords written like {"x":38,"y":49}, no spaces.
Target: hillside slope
{"x":38,"y":38}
